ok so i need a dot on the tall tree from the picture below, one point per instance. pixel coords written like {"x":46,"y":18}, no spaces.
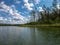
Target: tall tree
{"x":32,"y":16}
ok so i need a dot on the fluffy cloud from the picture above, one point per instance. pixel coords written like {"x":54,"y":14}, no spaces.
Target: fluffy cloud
{"x":28,"y":5}
{"x":1,"y":18}
{"x":16,"y":16}
{"x":17,"y":1}
{"x":37,"y":1}
{"x":58,"y":6}
{"x":40,"y":9}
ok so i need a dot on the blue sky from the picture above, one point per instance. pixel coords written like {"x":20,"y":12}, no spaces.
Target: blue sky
{"x":17,"y":11}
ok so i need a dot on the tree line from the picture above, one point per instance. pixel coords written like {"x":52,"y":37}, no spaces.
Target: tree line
{"x":47,"y":16}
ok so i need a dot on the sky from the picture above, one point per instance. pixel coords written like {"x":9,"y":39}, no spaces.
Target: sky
{"x":17,"y":11}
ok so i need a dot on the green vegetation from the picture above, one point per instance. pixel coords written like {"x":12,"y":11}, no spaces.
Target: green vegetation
{"x":10,"y":24}
{"x":50,"y":16}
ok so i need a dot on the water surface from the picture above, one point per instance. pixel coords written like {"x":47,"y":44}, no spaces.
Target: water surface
{"x":12,"y":35}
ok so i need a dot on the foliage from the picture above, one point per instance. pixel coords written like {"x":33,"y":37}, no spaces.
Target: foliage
{"x":48,"y":16}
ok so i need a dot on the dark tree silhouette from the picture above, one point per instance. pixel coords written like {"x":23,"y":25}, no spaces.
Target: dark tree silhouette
{"x":49,"y":15}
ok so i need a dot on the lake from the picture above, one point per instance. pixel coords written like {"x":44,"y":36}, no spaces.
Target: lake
{"x":14,"y":35}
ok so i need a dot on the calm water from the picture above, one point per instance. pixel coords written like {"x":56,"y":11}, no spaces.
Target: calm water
{"x":11,"y":35}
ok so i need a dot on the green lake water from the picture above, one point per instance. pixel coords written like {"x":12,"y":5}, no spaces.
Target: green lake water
{"x":13,"y":35}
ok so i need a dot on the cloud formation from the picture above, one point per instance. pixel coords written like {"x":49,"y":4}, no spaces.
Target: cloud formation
{"x":58,"y":6}
{"x":28,"y":5}
{"x":17,"y":1}
{"x":16,"y":16}
{"x":40,"y":9}
{"x":37,"y":1}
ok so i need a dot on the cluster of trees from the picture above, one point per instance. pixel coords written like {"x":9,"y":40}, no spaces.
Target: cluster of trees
{"x":47,"y":16}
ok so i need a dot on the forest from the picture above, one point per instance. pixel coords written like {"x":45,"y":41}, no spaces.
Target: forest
{"x":49,"y":15}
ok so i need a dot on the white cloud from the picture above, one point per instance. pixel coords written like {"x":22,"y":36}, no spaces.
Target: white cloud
{"x":13,"y":13}
{"x":58,"y":6}
{"x":26,"y":1}
{"x":1,"y":18}
{"x":40,"y":9}
{"x":28,"y":5}
{"x":17,"y":1}
{"x":37,"y":1}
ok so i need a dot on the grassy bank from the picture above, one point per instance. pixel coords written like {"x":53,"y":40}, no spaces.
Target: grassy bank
{"x":42,"y":25}
{"x":32,"y":25}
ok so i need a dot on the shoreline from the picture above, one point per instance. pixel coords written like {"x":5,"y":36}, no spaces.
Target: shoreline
{"x":32,"y":25}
